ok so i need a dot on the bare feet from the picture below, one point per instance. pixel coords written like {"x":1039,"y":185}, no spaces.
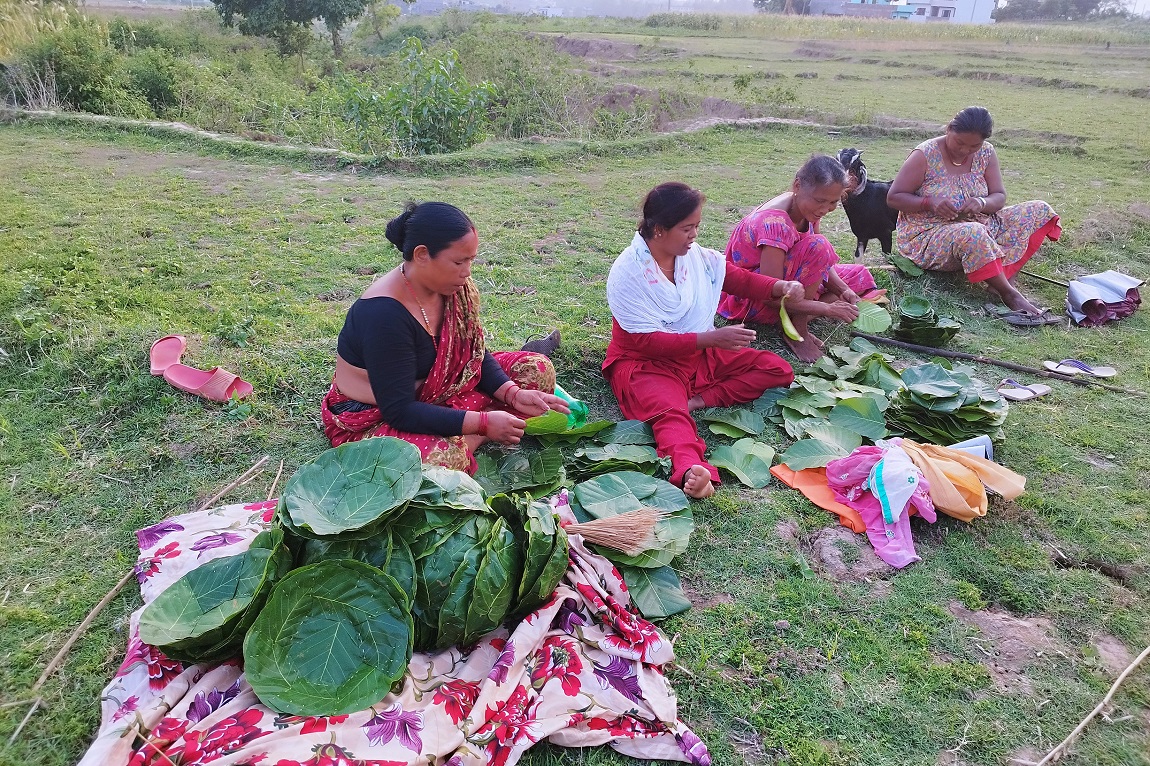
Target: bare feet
{"x":1010,"y":296}
{"x":810,"y":348}
{"x":695,"y":403}
{"x":697,"y":482}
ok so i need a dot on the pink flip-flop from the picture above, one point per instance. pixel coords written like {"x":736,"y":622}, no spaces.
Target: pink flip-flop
{"x":216,"y":384}
{"x":167,"y":351}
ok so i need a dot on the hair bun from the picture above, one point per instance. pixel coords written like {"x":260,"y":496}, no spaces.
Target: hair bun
{"x":396,"y":231}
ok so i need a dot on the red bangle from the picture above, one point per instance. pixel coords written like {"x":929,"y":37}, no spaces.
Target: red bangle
{"x":925,"y":204}
{"x":511,"y":392}
{"x":483,"y":418}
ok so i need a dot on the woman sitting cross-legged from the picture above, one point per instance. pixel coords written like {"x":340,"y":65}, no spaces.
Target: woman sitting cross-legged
{"x":953,"y":213}
{"x":665,"y":357}
{"x":411,"y":360}
{"x":781,"y":239}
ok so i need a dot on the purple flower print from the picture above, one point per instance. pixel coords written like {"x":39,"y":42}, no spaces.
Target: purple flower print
{"x":393,"y":723}
{"x":206,"y":703}
{"x":693,"y":748}
{"x":218,"y":540}
{"x":498,"y":673}
{"x":569,"y":616}
{"x":620,"y":674}
{"x":149,"y":536}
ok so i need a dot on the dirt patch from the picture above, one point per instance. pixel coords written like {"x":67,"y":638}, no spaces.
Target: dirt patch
{"x":1025,"y":755}
{"x":840,"y":554}
{"x":787,"y":531}
{"x":1112,"y":653}
{"x":601,"y":50}
{"x":701,"y":601}
{"x":338,"y":294}
{"x":1009,"y":644}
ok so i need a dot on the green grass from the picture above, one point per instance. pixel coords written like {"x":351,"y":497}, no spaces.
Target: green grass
{"x":110,"y":239}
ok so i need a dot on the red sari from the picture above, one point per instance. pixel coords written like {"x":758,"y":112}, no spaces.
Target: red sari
{"x":451,"y":383}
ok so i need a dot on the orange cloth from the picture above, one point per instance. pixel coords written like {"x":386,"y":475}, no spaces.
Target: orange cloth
{"x":812,"y":482}
{"x":958,"y":481}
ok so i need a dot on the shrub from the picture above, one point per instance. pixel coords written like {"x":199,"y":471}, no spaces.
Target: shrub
{"x":154,"y":73}
{"x":85,"y":68}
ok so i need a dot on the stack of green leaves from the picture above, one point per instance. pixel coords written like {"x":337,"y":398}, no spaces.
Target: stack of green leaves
{"x":352,"y":491}
{"x":332,"y":639}
{"x":918,"y":323}
{"x":654,"y":586}
{"x":598,"y":459}
{"x":538,"y":473}
{"x":203,"y":616}
{"x":945,"y":406}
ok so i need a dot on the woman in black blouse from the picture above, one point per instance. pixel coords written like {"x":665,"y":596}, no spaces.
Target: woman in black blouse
{"x":411,"y":361}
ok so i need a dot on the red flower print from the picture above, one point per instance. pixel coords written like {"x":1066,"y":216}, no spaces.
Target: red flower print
{"x":507,"y":724}
{"x":227,"y":736}
{"x":311,"y":724}
{"x":127,"y":706}
{"x":268,"y":508}
{"x":558,"y":659}
{"x":161,"y":670}
{"x":151,"y":752}
{"x":331,"y":754}
{"x":151,"y":565}
{"x":625,"y":726}
{"x":457,"y":698}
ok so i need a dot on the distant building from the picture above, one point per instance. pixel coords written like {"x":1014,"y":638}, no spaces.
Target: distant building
{"x":954,"y":11}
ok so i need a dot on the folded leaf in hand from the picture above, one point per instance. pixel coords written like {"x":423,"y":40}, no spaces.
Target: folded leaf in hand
{"x":872,"y":318}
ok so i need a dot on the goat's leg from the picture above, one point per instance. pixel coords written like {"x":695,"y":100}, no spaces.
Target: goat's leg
{"x":860,"y":249}
{"x":885,"y":241}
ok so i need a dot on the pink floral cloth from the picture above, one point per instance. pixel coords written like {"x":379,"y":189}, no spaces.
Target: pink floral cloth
{"x":583,"y":670}
{"x":983,"y":247}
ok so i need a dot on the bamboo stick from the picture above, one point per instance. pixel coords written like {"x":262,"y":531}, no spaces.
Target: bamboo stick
{"x":1077,"y":380}
{"x":1065,"y":744}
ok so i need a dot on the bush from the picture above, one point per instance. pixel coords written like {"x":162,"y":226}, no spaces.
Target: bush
{"x":86,"y":70}
{"x":154,"y":74}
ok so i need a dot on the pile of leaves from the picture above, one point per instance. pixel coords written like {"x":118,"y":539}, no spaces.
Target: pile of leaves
{"x":918,"y":323}
{"x":373,"y":556}
{"x":944,"y":406}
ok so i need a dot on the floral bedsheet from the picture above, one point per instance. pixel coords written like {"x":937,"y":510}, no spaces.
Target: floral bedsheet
{"x":582,"y":670}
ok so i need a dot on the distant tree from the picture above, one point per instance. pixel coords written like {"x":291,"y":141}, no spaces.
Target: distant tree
{"x":283,"y":20}
{"x":1061,"y":10}
{"x":789,"y":7}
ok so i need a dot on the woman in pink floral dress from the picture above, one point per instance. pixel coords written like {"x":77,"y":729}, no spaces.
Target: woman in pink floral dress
{"x":953,"y":212}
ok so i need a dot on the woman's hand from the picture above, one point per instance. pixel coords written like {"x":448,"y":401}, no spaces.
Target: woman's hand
{"x":850,"y":296}
{"x":788,"y":289}
{"x":532,"y":403}
{"x":730,"y":337}
{"x":972,"y":206}
{"x":943,"y":207}
{"x":842,"y":311}
{"x":504,"y":427}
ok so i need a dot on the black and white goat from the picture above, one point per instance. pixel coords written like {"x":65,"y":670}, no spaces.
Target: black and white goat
{"x":865,"y":205}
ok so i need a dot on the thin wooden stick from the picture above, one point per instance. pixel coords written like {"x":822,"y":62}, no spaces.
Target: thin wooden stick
{"x":1077,"y":380}
{"x":243,"y":478}
{"x":59,"y":658}
{"x":1044,"y":279}
{"x":275,"y":481}
{"x":20,"y":728}
{"x":1063,"y":746}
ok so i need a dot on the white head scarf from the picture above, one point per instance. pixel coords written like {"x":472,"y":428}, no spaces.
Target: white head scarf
{"x":642,"y":300}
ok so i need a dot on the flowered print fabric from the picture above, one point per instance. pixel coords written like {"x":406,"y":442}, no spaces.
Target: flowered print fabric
{"x":582,"y":670}
{"x":983,"y":247}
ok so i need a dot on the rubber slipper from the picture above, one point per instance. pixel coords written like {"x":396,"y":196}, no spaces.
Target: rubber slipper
{"x":166,"y":351}
{"x":1023,"y":319}
{"x":216,"y":384}
{"x":1017,"y":392}
{"x":1075,"y":367}
{"x":1050,"y":317}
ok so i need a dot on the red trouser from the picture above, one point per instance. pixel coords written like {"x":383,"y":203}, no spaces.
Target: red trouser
{"x":656,"y":391}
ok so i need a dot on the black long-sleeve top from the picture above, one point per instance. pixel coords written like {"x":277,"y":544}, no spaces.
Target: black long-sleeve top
{"x":381,"y":336}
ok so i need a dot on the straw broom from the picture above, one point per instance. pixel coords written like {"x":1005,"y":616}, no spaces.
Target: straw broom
{"x":632,"y":532}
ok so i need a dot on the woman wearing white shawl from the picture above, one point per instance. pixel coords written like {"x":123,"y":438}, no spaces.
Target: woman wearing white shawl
{"x":665,"y":357}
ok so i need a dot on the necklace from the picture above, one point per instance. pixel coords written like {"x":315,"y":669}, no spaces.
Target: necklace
{"x":419,"y":303}
{"x":952,"y":162}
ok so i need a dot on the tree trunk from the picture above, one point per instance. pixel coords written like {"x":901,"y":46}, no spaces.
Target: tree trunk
{"x":336,"y":42}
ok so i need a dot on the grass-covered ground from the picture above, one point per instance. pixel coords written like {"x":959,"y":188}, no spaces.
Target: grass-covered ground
{"x":109,"y":240}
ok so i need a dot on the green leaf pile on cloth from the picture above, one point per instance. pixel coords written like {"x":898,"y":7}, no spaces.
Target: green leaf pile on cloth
{"x":946,"y":406}
{"x":612,"y":494}
{"x":918,"y":323}
{"x":537,"y":473}
{"x":580,"y":670}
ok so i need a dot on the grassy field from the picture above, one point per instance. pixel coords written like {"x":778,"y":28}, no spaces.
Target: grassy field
{"x":992,"y":647}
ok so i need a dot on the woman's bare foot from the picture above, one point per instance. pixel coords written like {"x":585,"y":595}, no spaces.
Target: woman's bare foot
{"x":1010,"y":296}
{"x":695,"y":403}
{"x":810,"y":348}
{"x":697,"y":482}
